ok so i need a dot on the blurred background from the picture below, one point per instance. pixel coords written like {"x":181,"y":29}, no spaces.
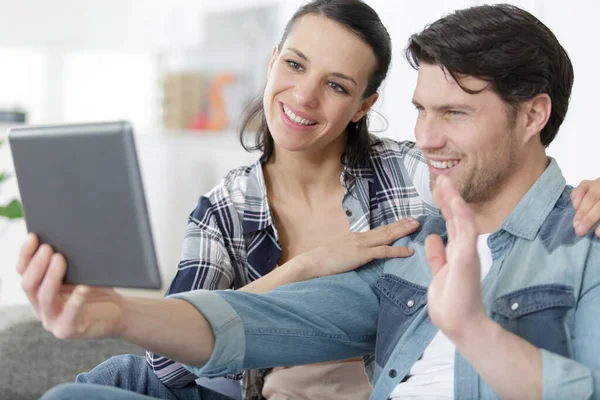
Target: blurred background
{"x":182,"y":71}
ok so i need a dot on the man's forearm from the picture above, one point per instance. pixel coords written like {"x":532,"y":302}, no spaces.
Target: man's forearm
{"x":150,"y":323}
{"x":292,"y":271}
{"x":508,"y":363}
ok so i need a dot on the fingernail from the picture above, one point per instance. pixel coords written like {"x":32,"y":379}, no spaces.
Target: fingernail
{"x":581,"y":230}
{"x":414,"y":222}
{"x":411,"y":251}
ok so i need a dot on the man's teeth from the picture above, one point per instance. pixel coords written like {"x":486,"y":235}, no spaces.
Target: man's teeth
{"x":297,"y":119}
{"x":443,"y":164}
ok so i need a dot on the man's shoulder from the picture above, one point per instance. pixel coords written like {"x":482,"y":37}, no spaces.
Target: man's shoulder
{"x":557,"y":229}
{"x":428,"y":225}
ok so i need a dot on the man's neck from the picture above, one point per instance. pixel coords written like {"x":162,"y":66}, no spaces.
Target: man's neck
{"x":490,"y":215}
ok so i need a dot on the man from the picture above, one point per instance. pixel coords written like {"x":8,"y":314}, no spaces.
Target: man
{"x":493,"y":90}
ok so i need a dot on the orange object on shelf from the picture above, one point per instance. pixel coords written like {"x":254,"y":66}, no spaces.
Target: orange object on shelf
{"x":217,"y":113}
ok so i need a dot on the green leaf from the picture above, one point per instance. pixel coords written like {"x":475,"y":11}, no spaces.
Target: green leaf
{"x":3,"y":176}
{"x":12,"y":211}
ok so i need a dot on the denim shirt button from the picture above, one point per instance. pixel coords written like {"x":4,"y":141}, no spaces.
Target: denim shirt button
{"x":393,"y":373}
{"x":410,"y":303}
{"x":514,"y":306}
{"x":348,"y":212}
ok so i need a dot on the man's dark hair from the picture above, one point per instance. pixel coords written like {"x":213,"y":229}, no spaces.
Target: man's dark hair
{"x":506,"y":46}
{"x":362,"y":20}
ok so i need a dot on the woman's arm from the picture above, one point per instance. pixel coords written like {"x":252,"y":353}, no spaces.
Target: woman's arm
{"x":342,"y":255}
{"x":586,"y":200}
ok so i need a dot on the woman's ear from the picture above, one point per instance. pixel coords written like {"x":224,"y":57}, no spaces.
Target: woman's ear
{"x":272,"y":60}
{"x":365,"y":107}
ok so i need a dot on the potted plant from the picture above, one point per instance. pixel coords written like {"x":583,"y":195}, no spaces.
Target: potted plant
{"x":13,"y":209}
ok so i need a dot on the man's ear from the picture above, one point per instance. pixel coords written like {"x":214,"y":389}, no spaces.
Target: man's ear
{"x":537,"y":112}
{"x":365,"y":107}
{"x":272,"y":60}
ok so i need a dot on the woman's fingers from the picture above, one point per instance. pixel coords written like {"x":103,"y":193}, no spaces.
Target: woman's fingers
{"x":387,"y":234}
{"x":389,"y":252}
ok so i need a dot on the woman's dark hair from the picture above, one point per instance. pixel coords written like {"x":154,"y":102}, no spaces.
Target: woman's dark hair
{"x":362,"y":20}
{"x":506,"y":46}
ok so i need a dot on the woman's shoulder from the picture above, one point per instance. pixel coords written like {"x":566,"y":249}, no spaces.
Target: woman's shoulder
{"x":383,"y":147}
{"x":388,"y":153}
{"x":234,"y":184}
{"x":226,"y":201}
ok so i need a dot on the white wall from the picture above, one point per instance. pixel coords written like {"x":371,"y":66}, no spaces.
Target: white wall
{"x":52,"y":60}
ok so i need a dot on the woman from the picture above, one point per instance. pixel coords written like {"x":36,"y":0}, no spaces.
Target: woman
{"x":323,"y":79}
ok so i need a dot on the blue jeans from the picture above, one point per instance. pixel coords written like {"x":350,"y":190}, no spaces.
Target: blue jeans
{"x":127,"y":377}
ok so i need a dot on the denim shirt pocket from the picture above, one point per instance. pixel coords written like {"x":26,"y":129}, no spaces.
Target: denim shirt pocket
{"x":399,"y":303}
{"x":537,"y":314}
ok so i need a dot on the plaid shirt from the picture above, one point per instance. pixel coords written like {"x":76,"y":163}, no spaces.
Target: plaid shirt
{"x":231,"y":240}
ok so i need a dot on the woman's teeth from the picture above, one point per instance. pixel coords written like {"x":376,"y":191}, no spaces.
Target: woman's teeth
{"x":293,"y":117}
{"x":443,"y":164}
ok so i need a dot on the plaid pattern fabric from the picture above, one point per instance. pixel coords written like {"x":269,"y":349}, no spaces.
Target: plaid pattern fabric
{"x":230,"y":238}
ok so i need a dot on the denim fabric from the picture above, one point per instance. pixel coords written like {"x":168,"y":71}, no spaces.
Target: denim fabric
{"x":544,"y":284}
{"x":78,"y":391}
{"x":131,"y":375}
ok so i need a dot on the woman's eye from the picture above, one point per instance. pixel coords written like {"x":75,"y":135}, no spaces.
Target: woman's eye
{"x":294,"y":65}
{"x":337,"y":87}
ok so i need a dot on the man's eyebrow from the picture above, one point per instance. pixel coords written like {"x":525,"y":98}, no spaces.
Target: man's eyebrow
{"x":448,"y":106}
{"x":337,"y":74}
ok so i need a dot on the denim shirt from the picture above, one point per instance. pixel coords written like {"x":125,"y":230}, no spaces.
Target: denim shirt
{"x":543,"y":285}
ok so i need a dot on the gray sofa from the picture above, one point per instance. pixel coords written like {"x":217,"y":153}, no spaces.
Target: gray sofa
{"x":32,"y":360}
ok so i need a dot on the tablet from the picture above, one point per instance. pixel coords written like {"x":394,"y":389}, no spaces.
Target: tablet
{"x":82,"y":193}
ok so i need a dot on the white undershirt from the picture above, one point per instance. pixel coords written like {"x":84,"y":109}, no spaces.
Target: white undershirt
{"x":432,"y":376}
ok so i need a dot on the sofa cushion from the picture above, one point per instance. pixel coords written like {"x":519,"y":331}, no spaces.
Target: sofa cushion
{"x":32,"y":360}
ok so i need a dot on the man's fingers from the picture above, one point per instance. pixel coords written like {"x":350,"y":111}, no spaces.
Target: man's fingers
{"x":68,"y":324}
{"x":389,"y":233}
{"x":464,"y":222}
{"x":27,"y":251}
{"x":50,"y":299}
{"x":435,"y":253}
{"x":34,"y":273}
{"x":438,"y":196}
{"x":444,"y":191}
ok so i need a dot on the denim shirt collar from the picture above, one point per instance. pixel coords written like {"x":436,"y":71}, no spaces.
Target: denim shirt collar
{"x":533,"y":209}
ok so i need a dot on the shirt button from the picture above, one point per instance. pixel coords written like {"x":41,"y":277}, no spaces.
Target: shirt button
{"x":348,"y":213}
{"x":393,"y":373}
{"x":514,"y":306}
{"x":410,"y":303}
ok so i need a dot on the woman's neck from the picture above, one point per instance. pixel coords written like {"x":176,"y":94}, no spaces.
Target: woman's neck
{"x":303,"y":176}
